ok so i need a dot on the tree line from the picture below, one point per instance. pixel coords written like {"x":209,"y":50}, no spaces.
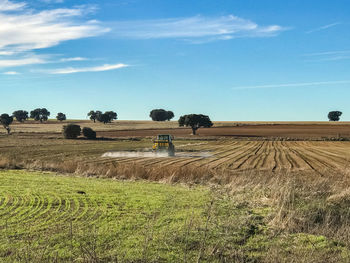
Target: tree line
{"x":39,"y":114}
{"x":194,"y":121}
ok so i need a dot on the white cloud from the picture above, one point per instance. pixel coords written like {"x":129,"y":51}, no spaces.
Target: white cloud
{"x":6,"y":53}
{"x":6,"y":5}
{"x":11,"y":73}
{"x":302,"y":84}
{"x":27,"y":30}
{"x":73,"y":59}
{"x":323,"y":28}
{"x":71,"y":70}
{"x":197,"y":27}
{"x":4,"y":63}
{"x":53,"y":1}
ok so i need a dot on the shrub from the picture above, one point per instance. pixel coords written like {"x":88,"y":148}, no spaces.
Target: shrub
{"x":71,"y":131}
{"x":61,"y":116}
{"x":89,"y":133}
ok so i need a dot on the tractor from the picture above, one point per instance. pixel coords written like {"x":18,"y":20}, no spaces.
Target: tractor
{"x":164,"y":143}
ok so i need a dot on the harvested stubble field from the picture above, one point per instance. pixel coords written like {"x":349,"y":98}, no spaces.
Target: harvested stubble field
{"x":272,"y":198}
{"x":37,"y":151}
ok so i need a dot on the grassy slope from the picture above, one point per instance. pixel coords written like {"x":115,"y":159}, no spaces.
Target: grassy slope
{"x":43,"y":218}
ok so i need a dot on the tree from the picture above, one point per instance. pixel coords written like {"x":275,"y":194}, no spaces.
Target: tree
{"x":161,"y":115}
{"x":61,"y":117}
{"x":40,"y":114}
{"x":71,"y":131}
{"x":20,"y":115}
{"x":112,"y":115}
{"x":195,"y":121}
{"x":334,"y":115}
{"x":170,"y":115}
{"x":107,"y":117}
{"x":6,"y":120}
{"x":89,"y":133}
{"x":94,"y":115}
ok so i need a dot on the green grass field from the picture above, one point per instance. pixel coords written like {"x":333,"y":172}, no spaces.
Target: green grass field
{"x":46,"y":217}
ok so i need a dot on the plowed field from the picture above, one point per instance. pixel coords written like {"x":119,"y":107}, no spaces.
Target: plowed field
{"x":246,"y":153}
{"x":252,"y":155}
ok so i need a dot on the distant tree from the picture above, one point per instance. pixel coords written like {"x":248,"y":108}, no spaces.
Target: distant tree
{"x":161,"y":115}
{"x":195,"y":121}
{"x":61,"y":116}
{"x":334,"y":115}
{"x":71,"y":131}
{"x":112,"y":115}
{"x":89,"y":133}
{"x":170,"y":115}
{"x":20,"y":115}
{"x":107,"y":117}
{"x":94,"y":115}
{"x":6,"y":120}
{"x":40,"y":114}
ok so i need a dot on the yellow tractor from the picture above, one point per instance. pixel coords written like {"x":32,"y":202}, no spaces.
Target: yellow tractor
{"x":164,"y":143}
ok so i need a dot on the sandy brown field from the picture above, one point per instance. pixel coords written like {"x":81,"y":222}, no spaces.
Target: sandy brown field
{"x":296,"y":131}
{"x":301,"y":130}
{"x":249,"y":146}
{"x":221,"y":153}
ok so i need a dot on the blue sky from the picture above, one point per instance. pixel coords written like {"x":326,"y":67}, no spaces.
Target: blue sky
{"x":267,"y":60}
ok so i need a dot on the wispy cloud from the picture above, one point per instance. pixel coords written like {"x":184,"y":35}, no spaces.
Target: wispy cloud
{"x":24,"y":29}
{"x":73,"y":59}
{"x":197,"y":27}
{"x":71,"y":70}
{"x":328,"y":55}
{"x":323,"y":28}
{"x":30,"y":60}
{"x":11,"y":73}
{"x":302,"y":84}
{"x":52,"y":1}
{"x":6,"y":5}
{"x":27,"y":30}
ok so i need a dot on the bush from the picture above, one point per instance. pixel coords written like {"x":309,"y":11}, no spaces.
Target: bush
{"x":71,"y":131}
{"x":89,"y":133}
{"x":61,"y":116}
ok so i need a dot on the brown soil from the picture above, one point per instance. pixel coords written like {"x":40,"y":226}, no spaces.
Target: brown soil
{"x":301,"y":131}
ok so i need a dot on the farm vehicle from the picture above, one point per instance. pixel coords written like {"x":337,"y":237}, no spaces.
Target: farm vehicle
{"x":164,"y":143}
